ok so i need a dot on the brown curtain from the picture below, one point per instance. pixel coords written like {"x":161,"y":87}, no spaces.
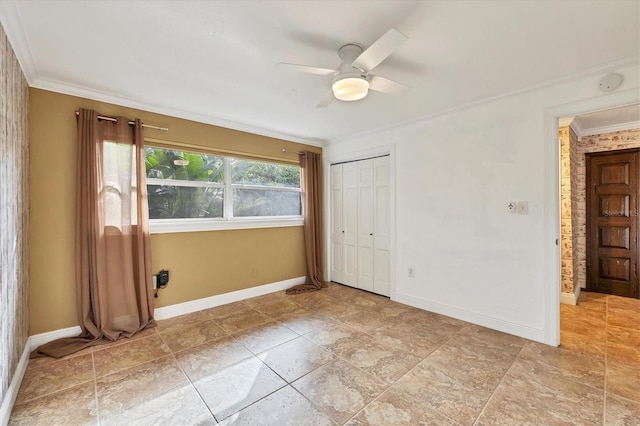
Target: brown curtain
{"x":312,"y":204}
{"x":113,"y":262}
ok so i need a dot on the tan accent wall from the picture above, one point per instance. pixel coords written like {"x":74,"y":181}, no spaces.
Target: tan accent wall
{"x":201,"y":264}
{"x":597,"y":143}
{"x":14,"y":213}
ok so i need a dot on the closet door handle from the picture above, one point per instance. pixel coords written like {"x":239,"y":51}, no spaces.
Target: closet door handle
{"x":371,"y":233}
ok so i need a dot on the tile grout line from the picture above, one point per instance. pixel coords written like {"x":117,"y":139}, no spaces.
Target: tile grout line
{"x":337,"y":356}
{"x":55,"y":360}
{"x":233,"y":337}
{"x":401,"y":377}
{"x":290,"y":383}
{"x":133,"y":365}
{"x":499,"y":383}
{"x":188,"y":378}
{"x":258,"y":400}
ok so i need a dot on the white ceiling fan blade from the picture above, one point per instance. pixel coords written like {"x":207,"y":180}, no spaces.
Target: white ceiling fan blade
{"x":307,"y":69}
{"x":379,"y":50}
{"x":381,"y":84}
{"x":326,"y":100}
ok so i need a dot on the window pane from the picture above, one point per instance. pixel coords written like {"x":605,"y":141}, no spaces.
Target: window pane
{"x":119,"y":187}
{"x":253,"y":202}
{"x":181,"y":202}
{"x":248,"y":172}
{"x":180,"y":165}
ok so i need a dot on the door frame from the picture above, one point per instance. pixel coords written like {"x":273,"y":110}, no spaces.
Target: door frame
{"x":355,"y":156}
{"x":589,"y":200}
{"x":551,"y":208}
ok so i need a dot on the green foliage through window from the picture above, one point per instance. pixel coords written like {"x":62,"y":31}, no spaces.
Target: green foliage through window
{"x":183,"y":185}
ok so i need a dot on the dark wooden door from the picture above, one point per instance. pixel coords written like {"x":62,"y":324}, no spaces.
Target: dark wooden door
{"x":612,"y":223}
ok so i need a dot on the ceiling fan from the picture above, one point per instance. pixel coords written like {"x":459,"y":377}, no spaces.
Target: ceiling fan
{"x":353,"y":78}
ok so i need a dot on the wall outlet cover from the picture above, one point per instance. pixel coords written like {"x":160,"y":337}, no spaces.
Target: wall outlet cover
{"x":163,"y":278}
{"x":523,"y":207}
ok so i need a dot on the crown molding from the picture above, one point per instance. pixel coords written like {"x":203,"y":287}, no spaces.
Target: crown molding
{"x":609,"y":129}
{"x":577,"y":128}
{"x":571,"y":122}
{"x":14,"y":28}
{"x":607,"y":67}
{"x":565,"y":121}
{"x":111,"y":98}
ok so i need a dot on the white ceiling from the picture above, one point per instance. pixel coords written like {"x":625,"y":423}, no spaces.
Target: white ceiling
{"x":214,"y":61}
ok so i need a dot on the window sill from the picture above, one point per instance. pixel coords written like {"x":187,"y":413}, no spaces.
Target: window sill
{"x":164,"y":226}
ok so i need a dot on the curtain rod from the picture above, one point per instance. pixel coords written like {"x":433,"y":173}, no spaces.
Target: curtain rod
{"x":102,"y":117}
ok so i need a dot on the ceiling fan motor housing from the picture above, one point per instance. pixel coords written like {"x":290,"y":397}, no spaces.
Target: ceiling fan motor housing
{"x":349,"y":52}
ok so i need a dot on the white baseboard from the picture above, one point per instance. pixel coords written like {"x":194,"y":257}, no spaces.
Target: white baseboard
{"x":12,"y":392}
{"x":179,"y":308}
{"x":222,"y":299}
{"x":510,"y":327}
{"x":42,"y":338}
{"x":570,"y":298}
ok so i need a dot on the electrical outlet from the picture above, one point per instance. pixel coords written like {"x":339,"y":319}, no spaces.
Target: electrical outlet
{"x":512,"y":207}
{"x":163,"y":278}
{"x":411,"y":272}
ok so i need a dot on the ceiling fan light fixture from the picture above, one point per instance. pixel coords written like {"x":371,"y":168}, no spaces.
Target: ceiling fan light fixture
{"x":350,"y":88}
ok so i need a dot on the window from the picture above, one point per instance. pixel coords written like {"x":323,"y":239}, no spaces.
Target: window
{"x":190,"y":191}
{"x":265,"y":189}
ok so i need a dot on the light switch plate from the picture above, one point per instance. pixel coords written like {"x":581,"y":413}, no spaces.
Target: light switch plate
{"x":523,"y":207}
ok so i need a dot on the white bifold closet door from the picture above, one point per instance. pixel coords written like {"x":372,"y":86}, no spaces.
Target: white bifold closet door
{"x":360,"y":225}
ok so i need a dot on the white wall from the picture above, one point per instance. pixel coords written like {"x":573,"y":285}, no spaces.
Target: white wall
{"x":454,"y":175}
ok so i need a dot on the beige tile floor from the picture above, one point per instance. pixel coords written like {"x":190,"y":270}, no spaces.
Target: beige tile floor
{"x":344,"y":356}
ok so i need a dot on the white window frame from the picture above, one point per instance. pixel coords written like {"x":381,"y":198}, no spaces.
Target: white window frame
{"x":227,"y":222}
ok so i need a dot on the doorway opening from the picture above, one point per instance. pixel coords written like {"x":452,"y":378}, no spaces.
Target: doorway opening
{"x":599,"y":248}
{"x":583,"y":139}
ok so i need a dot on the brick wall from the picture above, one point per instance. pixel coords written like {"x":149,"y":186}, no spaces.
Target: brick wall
{"x":14,"y":213}
{"x":566,"y":229}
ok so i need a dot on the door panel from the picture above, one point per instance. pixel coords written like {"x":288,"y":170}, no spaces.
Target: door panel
{"x":365,"y":224}
{"x":614,"y":237}
{"x":612,"y":223}
{"x":337,"y":252}
{"x":382,"y":275}
{"x":350,"y":223}
{"x":382,"y":227}
{"x":350,"y":266}
{"x":614,"y":205}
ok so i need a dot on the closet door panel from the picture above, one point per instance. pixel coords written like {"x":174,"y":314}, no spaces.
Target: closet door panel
{"x":382,"y":273}
{"x":382,"y":226}
{"x":337,"y":252}
{"x":365,"y":224}
{"x":350,"y":223}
